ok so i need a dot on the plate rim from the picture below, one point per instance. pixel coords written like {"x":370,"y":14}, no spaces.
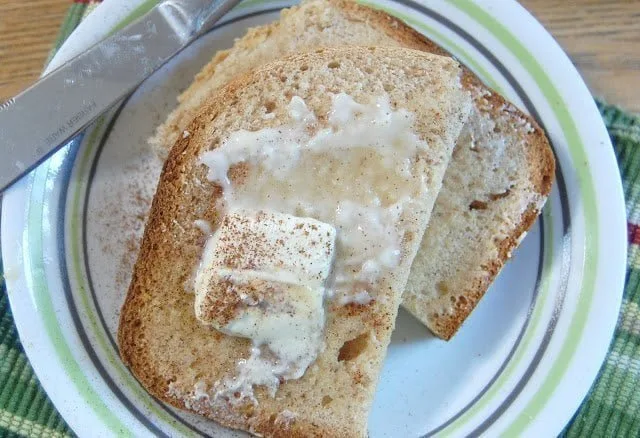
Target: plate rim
{"x":77,"y":36}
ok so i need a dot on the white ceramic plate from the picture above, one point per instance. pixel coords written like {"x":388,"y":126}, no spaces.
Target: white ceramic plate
{"x":521,"y":364}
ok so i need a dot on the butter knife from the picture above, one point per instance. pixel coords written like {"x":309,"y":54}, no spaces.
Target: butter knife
{"x":37,"y":122}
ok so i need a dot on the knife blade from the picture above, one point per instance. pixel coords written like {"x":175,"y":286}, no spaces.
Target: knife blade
{"x":37,"y":122}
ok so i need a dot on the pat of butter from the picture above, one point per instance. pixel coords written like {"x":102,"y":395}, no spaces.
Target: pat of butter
{"x":262,"y":277}
{"x":270,"y":245}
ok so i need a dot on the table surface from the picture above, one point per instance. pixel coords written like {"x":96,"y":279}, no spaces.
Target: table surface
{"x":602,"y":37}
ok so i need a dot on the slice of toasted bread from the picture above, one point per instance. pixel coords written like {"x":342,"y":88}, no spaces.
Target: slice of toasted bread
{"x":504,"y":162}
{"x":497,"y":182}
{"x":182,"y":361}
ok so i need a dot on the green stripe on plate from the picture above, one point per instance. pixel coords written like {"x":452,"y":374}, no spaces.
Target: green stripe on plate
{"x":449,"y":45}
{"x":75,"y":229}
{"x":44,"y":305}
{"x":579,"y":158}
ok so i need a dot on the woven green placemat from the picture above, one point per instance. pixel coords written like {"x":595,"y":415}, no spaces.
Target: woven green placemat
{"x":612,"y":407}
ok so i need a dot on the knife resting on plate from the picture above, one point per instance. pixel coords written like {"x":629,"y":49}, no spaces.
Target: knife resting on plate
{"x":37,"y":122}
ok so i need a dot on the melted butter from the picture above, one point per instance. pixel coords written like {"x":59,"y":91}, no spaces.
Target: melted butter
{"x":262,"y":277}
{"x":354,"y":172}
{"x":369,"y":132}
{"x":286,"y":340}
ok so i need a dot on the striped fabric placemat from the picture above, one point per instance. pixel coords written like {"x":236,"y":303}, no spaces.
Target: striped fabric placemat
{"x":612,"y":407}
